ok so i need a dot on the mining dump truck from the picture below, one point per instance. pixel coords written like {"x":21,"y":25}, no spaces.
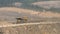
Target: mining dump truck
{"x":22,"y":20}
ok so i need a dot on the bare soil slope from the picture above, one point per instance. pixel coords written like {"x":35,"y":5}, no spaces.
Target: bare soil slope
{"x":11,"y":13}
{"x":31,"y":12}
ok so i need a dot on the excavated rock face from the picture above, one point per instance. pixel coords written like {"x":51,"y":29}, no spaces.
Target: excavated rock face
{"x":33,"y":29}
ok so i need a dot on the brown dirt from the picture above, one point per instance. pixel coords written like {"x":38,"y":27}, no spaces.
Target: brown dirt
{"x":33,"y":29}
{"x":26,"y":11}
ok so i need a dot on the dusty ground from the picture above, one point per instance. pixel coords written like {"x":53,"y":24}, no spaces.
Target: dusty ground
{"x":11,"y":13}
{"x":33,"y":29}
{"x":31,"y":12}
